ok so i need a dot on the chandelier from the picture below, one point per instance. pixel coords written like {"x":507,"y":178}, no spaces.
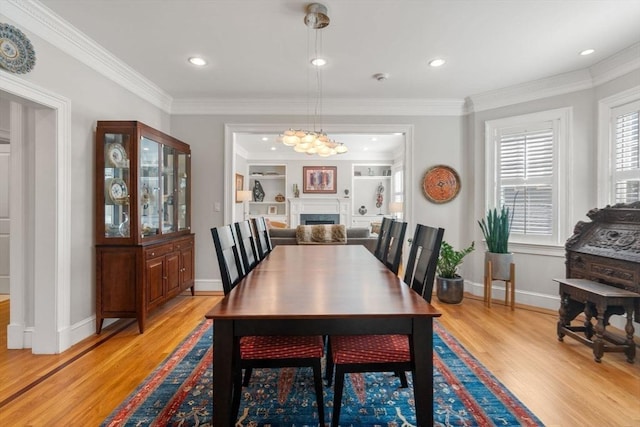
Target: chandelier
{"x":314,"y":141}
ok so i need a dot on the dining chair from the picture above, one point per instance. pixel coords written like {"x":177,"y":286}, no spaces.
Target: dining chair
{"x":264,"y":351}
{"x":383,"y":238}
{"x":423,"y":259}
{"x":263,"y":241}
{"x":393,"y":253}
{"x":385,"y":353}
{"x":246,"y":244}
{"x":231,"y":269}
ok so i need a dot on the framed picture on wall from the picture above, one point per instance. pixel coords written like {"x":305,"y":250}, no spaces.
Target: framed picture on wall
{"x":319,"y":179}
{"x":239,"y":186}
{"x":273,"y":210}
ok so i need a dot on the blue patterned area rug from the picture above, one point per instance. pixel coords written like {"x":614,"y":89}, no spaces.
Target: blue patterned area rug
{"x":179,"y":393}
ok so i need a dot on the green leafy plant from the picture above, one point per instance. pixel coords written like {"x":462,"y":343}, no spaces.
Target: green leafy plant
{"x":496,"y":227}
{"x":450,"y":260}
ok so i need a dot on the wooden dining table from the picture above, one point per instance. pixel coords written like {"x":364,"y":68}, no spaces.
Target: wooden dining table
{"x":321,"y":290}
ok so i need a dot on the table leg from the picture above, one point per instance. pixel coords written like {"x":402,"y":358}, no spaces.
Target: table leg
{"x":630,"y":330}
{"x":222,"y":370}
{"x":598,"y":343}
{"x":423,"y":379}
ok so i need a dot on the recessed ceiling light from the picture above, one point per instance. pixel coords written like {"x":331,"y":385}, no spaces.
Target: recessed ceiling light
{"x":587,"y":52}
{"x":437,"y":62}
{"x":374,"y":139}
{"x":196,"y":60}
{"x":264,"y":138}
{"x":273,"y":148}
{"x":319,"y":62}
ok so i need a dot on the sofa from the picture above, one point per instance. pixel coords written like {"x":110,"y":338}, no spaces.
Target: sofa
{"x":353,"y":236}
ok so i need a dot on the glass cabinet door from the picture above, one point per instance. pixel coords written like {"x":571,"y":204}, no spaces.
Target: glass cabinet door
{"x":182,"y":193}
{"x":117,"y":182}
{"x":150,"y":187}
{"x":169,"y":190}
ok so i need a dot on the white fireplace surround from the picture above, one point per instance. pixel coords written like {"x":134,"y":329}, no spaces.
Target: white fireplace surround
{"x":318,"y":205}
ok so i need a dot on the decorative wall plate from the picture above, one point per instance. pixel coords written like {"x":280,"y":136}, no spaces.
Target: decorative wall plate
{"x":441,"y":184}
{"x":116,"y":155}
{"x":16,"y":52}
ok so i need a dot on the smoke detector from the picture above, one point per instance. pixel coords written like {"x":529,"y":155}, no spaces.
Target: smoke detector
{"x":381,"y":76}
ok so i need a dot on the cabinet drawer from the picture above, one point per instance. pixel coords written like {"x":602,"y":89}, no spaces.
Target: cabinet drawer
{"x":183,"y":244}
{"x":156,"y":251}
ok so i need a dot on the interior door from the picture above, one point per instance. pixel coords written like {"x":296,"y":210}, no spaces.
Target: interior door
{"x":5,"y":151}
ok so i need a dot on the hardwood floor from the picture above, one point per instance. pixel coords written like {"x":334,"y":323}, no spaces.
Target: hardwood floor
{"x":558,"y":381}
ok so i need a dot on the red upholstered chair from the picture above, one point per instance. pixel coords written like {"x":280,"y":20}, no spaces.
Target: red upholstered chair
{"x":385,"y":353}
{"x":264,"y":351}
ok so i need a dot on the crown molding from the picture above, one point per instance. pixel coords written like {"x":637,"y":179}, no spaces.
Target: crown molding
{"x":335,"y":106}
{"x":623,"y":62}
{"x":38,"y":19}
{"x":530,"y":91}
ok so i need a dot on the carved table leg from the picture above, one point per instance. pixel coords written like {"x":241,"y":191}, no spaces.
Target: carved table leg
{"x":629,"y":329}
{"x":562,"y":312}
{"x":589,"y":312}
{"x":598,"y":343}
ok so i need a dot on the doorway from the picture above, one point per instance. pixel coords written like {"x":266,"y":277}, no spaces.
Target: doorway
{"x":39,"y":207}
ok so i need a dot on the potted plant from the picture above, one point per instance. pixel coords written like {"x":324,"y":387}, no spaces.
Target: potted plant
{"x":449,"y":285}
{"x":496,"y":227}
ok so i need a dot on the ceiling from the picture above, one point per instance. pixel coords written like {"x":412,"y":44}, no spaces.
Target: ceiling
{"x":258,"y":49}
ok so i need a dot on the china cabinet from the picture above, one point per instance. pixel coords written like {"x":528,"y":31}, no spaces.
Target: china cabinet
{"x":144,"y":244}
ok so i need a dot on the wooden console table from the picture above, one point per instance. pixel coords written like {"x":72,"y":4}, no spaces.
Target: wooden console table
{"x":599,"y":300}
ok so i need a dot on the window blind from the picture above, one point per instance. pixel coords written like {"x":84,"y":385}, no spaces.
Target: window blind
{"x":526,"y":176}
{"x":627,"y":157}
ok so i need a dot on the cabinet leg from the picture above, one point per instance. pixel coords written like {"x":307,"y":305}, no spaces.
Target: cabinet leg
{"x":99,"y":321}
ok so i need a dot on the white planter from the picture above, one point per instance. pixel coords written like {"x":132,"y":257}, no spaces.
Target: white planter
{"x":500,"y":265}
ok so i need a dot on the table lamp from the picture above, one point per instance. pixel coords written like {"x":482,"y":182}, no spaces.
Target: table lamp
{"x":395,"y":208}
{"x":244,"y":196}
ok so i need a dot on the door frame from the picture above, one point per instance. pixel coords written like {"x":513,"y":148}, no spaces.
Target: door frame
{"x":40,"y":318}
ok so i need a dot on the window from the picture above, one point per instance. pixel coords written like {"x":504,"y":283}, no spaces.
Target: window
{"x":625,"y":136}
{"x":524,"y":172}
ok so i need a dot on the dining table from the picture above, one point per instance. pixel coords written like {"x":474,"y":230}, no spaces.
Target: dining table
{"x":321,"y":290}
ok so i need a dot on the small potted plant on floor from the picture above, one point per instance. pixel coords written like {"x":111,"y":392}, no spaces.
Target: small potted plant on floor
{"x":449,"y":285}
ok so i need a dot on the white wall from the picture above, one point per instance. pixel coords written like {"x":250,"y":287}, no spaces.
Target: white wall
{"x":93,"y":97}
{"x":535,"y":271}
{"x":436,"y":140}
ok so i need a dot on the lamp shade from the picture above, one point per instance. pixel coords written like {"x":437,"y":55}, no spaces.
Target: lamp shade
{"x":395,"y":207}
{"x":245,"y":195}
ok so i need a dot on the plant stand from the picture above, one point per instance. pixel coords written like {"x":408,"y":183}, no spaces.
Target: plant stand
{"x":509,"y":285}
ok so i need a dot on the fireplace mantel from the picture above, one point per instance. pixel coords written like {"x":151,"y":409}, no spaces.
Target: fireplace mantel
{"x":319,"y":205}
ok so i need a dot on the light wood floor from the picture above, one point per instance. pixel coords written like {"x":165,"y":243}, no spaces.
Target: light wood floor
{"x":559,"y":382}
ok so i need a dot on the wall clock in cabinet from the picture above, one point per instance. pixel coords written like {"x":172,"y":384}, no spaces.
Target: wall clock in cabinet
{"x":144,"y":244}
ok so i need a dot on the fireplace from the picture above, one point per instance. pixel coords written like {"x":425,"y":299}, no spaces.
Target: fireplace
{"x":319,"y":210}
{"x":312,"y":219}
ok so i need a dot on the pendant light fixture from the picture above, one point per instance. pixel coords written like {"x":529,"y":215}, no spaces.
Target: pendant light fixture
{"x":315,"y":141}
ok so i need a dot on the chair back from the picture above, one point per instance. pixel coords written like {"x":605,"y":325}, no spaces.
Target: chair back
{"x":262,"y":240}
{"x":267,"y":236}
{"x":231,"y":271}
{"x":246,"y":245}
{"x":423,"y":259}
{"x":396,"y":240}
{"x":383,"y":239}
